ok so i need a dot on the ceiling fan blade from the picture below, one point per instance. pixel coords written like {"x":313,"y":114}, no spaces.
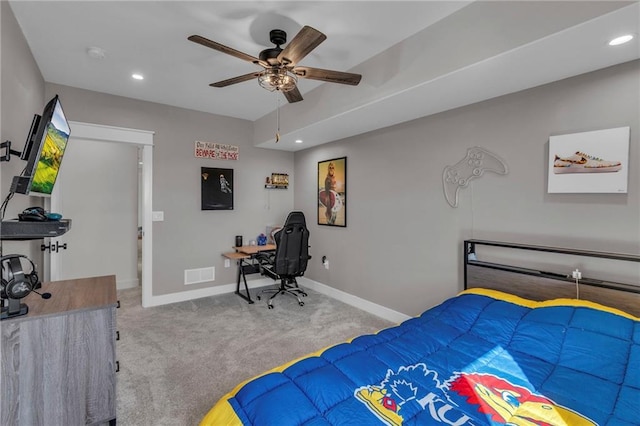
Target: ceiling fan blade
{"x":293,"y":95}
{"x":226,"y":49}
{"x":304,"y":42}
{"x":238,"y":79}
{"x":327,"y":75}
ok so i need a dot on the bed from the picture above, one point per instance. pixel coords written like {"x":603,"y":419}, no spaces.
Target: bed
{"x":484,"y":357}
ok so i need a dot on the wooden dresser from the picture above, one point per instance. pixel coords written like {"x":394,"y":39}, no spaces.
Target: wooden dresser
{"x":58,"y":361}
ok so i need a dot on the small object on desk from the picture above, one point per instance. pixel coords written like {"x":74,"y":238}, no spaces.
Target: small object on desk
{"x":53,"y":216}
{"x":238,"y":240}
{"x":262,"y":240}
{"x":252,"y":242}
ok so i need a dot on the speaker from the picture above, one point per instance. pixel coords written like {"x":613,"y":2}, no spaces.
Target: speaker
{"x":238,"y":240}
{"x":17,"y":284}
{"x":20,"y":184}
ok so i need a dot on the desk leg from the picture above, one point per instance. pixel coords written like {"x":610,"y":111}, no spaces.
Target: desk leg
{"x":246,"y":287}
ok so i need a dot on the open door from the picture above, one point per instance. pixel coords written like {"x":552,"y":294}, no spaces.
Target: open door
{"x":98,"y":190}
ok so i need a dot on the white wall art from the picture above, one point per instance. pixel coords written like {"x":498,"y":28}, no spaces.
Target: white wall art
{"x":477,"y":161}
{"x":589,"y":162}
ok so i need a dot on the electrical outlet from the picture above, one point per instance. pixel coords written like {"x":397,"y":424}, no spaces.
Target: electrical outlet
{"x":227,"y":263}
{"x":576,"y":274}
{"x":325,"y":262}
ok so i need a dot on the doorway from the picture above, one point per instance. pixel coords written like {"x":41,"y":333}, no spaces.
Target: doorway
{"x":141,"y":153}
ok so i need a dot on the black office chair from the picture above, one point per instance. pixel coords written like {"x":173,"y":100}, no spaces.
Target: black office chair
{"x":290,"y":258}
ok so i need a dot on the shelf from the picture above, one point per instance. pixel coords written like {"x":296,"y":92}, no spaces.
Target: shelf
{"x":17,"y":230}
{"x":277,"y":181}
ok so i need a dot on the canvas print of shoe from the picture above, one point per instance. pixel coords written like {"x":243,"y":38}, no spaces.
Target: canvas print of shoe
{"x":589,"y":162}
{"x":584,"y":163}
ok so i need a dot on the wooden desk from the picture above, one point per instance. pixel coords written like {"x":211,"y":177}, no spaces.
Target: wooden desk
{"x":58,"y":361}
{"x":245,"y":259}
{"x":255,"y":249}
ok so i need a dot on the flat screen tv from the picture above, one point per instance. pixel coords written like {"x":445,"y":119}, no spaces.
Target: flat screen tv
{"x":43,"y":151}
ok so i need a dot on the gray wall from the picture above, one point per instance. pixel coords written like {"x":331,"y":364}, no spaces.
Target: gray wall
{"x":188,"y":237}
{"x":402,"y":246}
{"x":22,"y":97}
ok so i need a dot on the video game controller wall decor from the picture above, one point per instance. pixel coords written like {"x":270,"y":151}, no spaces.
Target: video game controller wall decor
{"x":477,"y":161}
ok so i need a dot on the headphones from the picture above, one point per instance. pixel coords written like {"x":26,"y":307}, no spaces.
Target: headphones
{"x":18,"y":284}
{"x":33,"y":214}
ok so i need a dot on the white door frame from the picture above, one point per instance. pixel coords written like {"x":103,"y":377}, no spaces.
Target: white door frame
{"x":144,"y":140}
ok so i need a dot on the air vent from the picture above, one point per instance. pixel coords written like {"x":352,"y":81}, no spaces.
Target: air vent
{"x":201,"y":275}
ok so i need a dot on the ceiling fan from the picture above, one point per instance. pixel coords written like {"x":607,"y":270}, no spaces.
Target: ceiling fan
{"x":280,"y":65}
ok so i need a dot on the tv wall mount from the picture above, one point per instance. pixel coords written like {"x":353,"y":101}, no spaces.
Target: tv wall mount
{"x":8,"y":152}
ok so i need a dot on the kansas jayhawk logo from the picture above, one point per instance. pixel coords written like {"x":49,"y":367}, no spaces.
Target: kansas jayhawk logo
{"x":465,"y":399}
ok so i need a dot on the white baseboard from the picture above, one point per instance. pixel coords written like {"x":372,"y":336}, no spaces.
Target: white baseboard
{"x":365,"y":305}
{"x":183,"y":296}
{"x":350,"y":299}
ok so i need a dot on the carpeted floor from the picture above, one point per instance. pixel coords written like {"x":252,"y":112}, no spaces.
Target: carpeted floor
{"x":177,"y":360}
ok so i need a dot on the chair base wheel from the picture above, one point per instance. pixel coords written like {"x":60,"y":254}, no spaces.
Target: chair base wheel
{"x":289,"y":287}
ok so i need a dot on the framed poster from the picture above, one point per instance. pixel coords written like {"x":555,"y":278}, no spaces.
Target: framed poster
{"x":217,"y":188}
{"x":332,"y":192}
{"x":589,"y":162}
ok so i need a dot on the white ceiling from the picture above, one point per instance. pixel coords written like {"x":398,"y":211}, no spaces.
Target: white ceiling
{"x":416,"y":57}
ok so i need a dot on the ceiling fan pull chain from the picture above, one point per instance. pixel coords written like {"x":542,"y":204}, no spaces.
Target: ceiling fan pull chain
{"x":278,"y":121}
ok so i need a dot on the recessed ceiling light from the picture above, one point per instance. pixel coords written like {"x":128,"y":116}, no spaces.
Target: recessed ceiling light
{"x":137,"y":76}
{"x":621,"y":40}
{"x":298,"y":140}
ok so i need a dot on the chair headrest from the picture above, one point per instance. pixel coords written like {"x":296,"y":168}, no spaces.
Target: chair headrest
{"x":295,"y":218}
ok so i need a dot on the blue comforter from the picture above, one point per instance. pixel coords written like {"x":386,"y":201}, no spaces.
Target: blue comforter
{"x":481,"y":358}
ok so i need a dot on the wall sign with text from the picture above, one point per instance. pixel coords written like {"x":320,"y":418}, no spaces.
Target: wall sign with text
{"x":216,"y":151}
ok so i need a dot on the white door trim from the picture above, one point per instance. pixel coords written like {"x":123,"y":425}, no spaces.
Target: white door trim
{"x":143,"y":139}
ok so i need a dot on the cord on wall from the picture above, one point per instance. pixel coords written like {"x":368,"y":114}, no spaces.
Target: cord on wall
{"x":473,"y":214}
{"x":578,"y":276}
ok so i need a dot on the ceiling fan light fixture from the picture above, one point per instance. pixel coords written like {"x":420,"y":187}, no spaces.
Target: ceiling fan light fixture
{"x":281,"y":72}
{"x":278,"y":79}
